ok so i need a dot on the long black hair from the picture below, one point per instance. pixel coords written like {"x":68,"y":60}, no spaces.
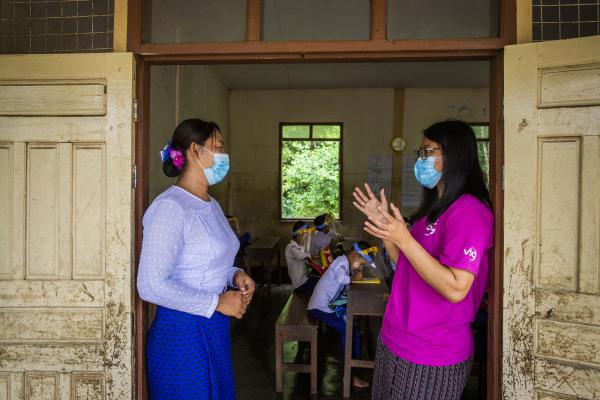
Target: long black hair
{"x":187,"y":132}
{"x":462,"y":173}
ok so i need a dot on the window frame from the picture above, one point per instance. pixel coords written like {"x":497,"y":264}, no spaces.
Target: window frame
{"x":478,"y":140}
{"x":325,"y":51}
{"x":310,"y":138}
{"x":254,"y":43}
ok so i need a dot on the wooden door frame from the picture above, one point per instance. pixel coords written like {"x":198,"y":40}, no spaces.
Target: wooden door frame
{"x":377,"y":49}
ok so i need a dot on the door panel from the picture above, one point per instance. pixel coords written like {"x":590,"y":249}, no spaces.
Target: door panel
{"x":66,"y":137}
{"x":552,"y":220}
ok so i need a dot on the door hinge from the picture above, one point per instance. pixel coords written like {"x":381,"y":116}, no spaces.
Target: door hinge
{"x":502,"y":181}
{"x":135,"y":110}
{"x":133,"y":176}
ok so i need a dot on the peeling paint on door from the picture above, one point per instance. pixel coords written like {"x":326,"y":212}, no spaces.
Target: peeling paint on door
{"x":65,"y":282}
{"x":552,"y":221}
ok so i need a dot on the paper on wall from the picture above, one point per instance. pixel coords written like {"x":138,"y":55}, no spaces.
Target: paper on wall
{"x":380,"y":173}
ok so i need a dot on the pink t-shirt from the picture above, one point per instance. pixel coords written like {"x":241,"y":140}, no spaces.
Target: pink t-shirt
{"x":420,"y":325}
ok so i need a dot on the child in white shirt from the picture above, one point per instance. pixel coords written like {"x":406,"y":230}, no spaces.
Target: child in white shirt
{"x":296,"y":256}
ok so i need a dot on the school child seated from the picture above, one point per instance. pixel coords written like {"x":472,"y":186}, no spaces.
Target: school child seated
{"x":324,"y":235}
{"x":296,"y":256}
{"x":324,"y":303}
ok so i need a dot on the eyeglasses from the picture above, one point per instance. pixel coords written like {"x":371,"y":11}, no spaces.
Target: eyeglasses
{"x":425,"y":152}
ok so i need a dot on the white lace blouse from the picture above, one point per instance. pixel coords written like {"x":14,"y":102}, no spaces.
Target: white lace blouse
{"x":188,"y":251}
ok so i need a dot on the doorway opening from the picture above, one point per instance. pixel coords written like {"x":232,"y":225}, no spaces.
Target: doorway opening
{"x":373,"y":102}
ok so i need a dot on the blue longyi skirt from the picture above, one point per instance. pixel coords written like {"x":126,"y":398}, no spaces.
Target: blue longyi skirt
{"x":189,"y":357}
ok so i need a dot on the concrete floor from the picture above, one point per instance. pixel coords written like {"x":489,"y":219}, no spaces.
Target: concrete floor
{"x":253,"y":341}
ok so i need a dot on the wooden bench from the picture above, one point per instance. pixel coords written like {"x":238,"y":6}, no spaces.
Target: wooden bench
{"x":294,"y":324}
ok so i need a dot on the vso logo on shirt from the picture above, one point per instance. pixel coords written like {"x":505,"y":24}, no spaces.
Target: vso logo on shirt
{"x":471,"y":253}
{"x":430,"y":229}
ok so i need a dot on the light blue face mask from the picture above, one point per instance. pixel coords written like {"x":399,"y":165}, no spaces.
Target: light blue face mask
{"x":426,"y":173}
{"x":219,"y":169}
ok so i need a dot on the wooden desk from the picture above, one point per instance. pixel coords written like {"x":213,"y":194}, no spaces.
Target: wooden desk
{"x":363,"y":299}
{"x":262,"y":251}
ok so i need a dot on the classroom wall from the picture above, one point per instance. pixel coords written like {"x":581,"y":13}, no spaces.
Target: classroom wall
{"x":250,"y":122}
{"x":367,"y":115}
{"x":162,"y":122}
{"x":177,"y":93}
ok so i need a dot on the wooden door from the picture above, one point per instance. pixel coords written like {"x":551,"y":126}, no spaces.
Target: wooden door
{"x":66,"y":142}
{"x":551,"y":345}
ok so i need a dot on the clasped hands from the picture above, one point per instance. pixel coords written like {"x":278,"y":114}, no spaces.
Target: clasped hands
{"x":234,"y":303}
{"x":380,"y":223}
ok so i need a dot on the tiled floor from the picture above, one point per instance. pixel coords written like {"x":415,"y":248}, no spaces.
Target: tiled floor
{"x":254,"y":357}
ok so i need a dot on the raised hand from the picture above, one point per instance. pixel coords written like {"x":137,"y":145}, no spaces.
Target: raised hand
{"x":389,"y":227}
{"x":368,"y":203}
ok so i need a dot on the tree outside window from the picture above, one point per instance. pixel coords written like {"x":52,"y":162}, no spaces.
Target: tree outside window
{"x":310,"y":174}
{"x":482,"y":133}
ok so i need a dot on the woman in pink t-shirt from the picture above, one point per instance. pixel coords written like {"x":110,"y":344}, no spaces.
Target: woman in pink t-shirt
{"x":425,"y":348}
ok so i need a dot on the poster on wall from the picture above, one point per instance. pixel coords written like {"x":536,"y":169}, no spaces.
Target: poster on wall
{"x":411,"y":189}
{"x":380,"y":173}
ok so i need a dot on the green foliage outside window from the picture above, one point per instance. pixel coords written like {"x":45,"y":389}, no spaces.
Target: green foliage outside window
{"x":310,"y":168}
{"x":310,"y":171}
{"x":482,"y":133}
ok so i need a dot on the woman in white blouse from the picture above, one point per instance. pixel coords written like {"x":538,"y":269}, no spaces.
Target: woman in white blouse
{"x":186,"y":266}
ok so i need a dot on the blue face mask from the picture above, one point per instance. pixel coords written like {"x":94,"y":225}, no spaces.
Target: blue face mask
{"x":426,"y":173}
{"x":219,"y":169}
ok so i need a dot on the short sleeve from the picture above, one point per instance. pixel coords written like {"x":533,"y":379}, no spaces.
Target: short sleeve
{"x":467,"y":236}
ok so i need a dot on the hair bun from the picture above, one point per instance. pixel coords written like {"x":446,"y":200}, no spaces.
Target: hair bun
{"x":169,"y":168}
{"x":173,"y":160}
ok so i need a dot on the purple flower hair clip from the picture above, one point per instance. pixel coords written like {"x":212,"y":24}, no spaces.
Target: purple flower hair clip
{"x":178,"y":158}
{"x":175,"y":155}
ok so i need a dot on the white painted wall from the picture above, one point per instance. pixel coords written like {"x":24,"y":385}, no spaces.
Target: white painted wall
{"x":250,"y":122}
{"x":367,"y":115}
{"x":163,"y":120}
